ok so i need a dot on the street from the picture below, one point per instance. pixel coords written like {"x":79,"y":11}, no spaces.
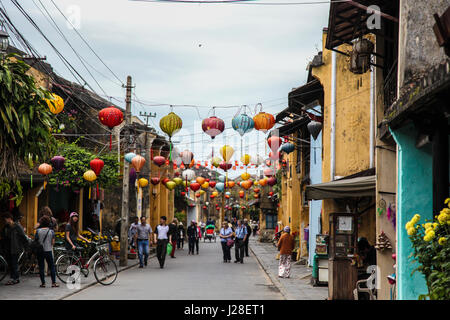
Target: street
{"x":197,"y":277}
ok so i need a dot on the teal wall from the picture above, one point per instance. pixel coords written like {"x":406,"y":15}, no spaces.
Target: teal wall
{"x":414,"y":195}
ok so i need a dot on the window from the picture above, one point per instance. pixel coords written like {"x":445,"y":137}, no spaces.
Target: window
{"x":271,"y":220}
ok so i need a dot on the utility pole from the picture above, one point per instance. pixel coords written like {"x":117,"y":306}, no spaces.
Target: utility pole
{"x":125,"y":186}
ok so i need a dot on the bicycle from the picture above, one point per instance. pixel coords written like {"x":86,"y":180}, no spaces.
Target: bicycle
{"x":105,"y":269}
{"x":27,"y":262}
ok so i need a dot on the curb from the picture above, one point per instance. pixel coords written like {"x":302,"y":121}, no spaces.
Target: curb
{"x":275,"y":282}
{"x":93,"y":283}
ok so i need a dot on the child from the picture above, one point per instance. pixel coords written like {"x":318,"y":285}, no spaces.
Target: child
{"x":115,"y":247}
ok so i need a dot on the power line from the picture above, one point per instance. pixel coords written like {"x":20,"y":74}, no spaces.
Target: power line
{"x":243,"y":2}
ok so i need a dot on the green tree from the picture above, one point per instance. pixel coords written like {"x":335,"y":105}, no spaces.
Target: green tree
{"x":25,"y":123}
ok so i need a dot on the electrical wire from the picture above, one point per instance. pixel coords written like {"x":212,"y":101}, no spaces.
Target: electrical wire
{"x":243,"y":2}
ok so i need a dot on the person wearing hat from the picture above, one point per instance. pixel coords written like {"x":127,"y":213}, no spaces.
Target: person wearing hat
{"x":285,"y":246}
{"x":115,"y":246}
{"x":192,"y":233}
{"x":72,"y":232}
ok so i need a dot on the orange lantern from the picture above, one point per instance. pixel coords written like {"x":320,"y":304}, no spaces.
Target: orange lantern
{"x":262,"y":182}
{"x":45,"y":169}
{"x":138,"y":162}
{"x":263,"y":121}
{"x":200,"y":180}
{"x":231,"y":184}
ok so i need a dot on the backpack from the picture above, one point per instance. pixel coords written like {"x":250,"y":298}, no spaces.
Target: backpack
{"x":36,"y":247}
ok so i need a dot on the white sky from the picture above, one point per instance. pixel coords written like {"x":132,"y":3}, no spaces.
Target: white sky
{"x":248,"y":54}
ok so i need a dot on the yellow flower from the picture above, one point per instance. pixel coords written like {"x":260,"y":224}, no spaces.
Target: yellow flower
{"x":447,"y":202}
{"x":411,"y":231}
{"x":430,"y":233}
{"x":435,"y":224}
{"x":442,"y":240}
{"x":428,"y":225}
{"x":427,"y":238}
{"x":408,"y":225}
{"x":442,"y":218}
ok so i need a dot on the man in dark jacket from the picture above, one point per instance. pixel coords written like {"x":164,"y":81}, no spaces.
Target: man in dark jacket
{"x":192,"y":234}
{"x":249,"y":232}
{"x":15,"y":240}
{"x":173,"y":230}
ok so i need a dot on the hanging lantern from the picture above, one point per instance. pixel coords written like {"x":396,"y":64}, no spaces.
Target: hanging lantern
{"x":170,"y":185}
{"x":215,"y":193}
{"x":159,"y":161}
{"x":90,"y":176}
{"x":256,"y":196}
{"x":227,"y":152}
{"x":194,"y":186}
{"x":178,"y":181}
{"x":263,"y":121}
{"x":225,"y":166}
{"x":274,"y":143}
{"x":110,"y":117}
{"x":183,"y":193}
{"x":245,"y":159}
{"x":171,"y":124}
{"x":227,"y":196}
{"x":262,"y":182}
{"x":242,"y":124}
{"x":256,"y":190}
{"x":58,"y":162}
{"x":220,"y":186}
{"x":270,"y":193}
{"x":188,"y":174}
{"x":212,"y":184}
{"x":129,"y":156}
{"x":215,"y":161}
{"x":197,"y":195}
{"x":246,"y":184}
{"x":55,"y":104}
{"x":314,"y":127}
{"x":268,"y":172}
{"x":202,"y":192}
{"x":213,"y":126}
{"x":245,"y":176}
{"x":241,"y":194}
{"x":222,"y":178}
{"x":186,"y":157}
{"x":255,"y":183}
{"x":231,"y":184}
{"x":154,"y":181}
{"x":97,"y":165}
{"x":177,"y":173}
{"x":205,"y":185}
{"x":45,"y":169}
{"x":165,"y":180}
{"x":143,"y":182}
{"x":271,"y":181}
{"x":138,"y":162}
{"x":288,"y":147}
{"x":200,"y":180}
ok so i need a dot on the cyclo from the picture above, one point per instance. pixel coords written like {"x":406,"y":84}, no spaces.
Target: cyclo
{"x":71,"y":264}
{"x":210,"y":233}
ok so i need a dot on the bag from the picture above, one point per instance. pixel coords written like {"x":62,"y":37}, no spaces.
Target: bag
{"x":36,"y":247}
{"x":230,"y":242}
{"x":169,"y":248}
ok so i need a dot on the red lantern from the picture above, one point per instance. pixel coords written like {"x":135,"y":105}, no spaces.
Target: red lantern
{"x":159,"y":160}
{"x":197,"y":195}
{"x":212,"y":184}
{"x":204,"y":207}
{"x":211,"y":196}
{"x":213,"y":126}
{"x":165,"y":180}
{"x":256,"y":190}
{"x":241,"y":194}
{"x":97,"y":166}
{"x":274,"y":143}
{"x":183,"y":193}
{"x":154,"y":181}
{"x":271,"y":193}
{"x":110,"y":117}
{"x":195,"y":186}
{"x":227,"y":196}
{"x":271,"y":181}
{"x":225,"y":165}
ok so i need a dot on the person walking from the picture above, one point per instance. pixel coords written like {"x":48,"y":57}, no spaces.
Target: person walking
{"x":241,"y":236}
{"x":199,"y":236}
{"x":285,"y":246}
{"x":72,"y":232}
{"x":173,"y":231}
{"x":142,"y":238}
{"x":226,"y":233}
{"x":15,"y":241}
{"x":181,"y":235}
{"x":46,"y":237}
{"x":192,"y":232}
{"x":249,"y":232}
{"x":255,"y":228}
{"x":131,"y":234}
{"x":162,"y":237}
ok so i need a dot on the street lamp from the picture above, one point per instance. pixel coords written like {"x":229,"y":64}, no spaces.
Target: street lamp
{"x":4,"y":41}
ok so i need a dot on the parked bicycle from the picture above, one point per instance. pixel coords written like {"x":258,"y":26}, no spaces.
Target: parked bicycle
{"x":105,"y":269}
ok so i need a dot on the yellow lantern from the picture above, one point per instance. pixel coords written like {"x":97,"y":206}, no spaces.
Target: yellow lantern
{"x":202,"y":191}
{"x":171,"y":124}
{"x":56,"y":104}
{"x":177,"y":180}
{"x":205,"y":185}
{"x":170,"y":185}
{"x":216,"y":161}
{"x":143,"y":182}
{"x":245,"y":176}
{"x":200,"y":180}
{"x":227,"y":152}
{"x":255,"y":183}
{"x":245,"y":159}
{"x":215,"y":193}
{"x":90,"y":176}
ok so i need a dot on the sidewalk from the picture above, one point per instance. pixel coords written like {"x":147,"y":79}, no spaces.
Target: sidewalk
{"x":28,"y":288}
{"x":298,"y":286}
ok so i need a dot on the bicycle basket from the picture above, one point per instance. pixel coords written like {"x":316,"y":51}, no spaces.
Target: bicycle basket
{"x":103,"y":249}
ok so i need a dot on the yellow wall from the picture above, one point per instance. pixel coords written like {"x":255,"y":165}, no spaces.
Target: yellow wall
{"x":352,"y":121}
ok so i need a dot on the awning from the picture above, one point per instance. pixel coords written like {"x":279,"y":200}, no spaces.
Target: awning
{"x":343,"y":188}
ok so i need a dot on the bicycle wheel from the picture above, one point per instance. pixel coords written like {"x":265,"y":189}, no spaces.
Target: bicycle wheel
{"x":25,"y":263}
{"x":105,"y":270}
{"x":63,"y":267}
{"x":3,"y":268}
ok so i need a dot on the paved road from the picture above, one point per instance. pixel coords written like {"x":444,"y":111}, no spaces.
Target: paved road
{"x":202,"y":276}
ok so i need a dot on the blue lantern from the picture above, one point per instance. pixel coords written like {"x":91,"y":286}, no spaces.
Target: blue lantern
{"x":287,"y":147}
{"x":242,"y":123}
{"x":228,"y":193}
{"x":129,"y":156}
{"x":222,"y":178}
{"x":220,"y":186}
